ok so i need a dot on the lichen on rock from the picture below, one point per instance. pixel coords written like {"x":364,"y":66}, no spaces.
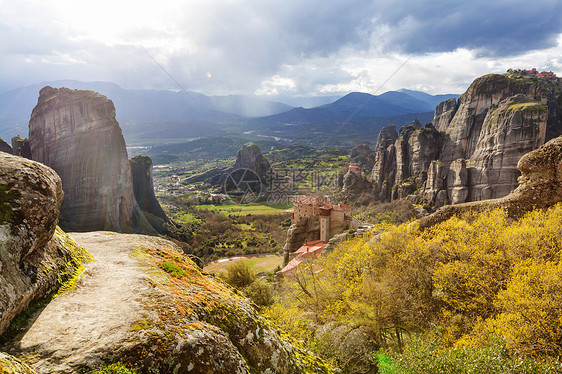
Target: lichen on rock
{"x":36,"y":257}
{"x":143,"y":303}
{"x":11,"y":365}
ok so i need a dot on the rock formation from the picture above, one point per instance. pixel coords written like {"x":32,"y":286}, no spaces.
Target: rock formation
{"x":471,"y":149}
{"x":362,"y":158}
{"x":540,"y":186}
{"x":5,"y":147}
{"x":21,"y":147}
{"x":35,"y":256}
{"x":143,"y":303}
{"x":143,"y":187}
{"x":250,"y":157}
{"x":353,"y":180}
{"x":75,"y":133}
{"x":362,"y":155}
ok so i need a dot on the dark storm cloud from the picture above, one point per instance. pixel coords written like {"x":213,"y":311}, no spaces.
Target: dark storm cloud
{"x":497,"y":28}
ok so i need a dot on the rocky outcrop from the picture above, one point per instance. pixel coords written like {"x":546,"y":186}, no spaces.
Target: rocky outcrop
{"x":143,"y":187}
{"x":75,"y":133}
{"x":250,"y":157}
{"x":300,"y":231}
{"x":540,"y":186}
{"x":142,"y":303}
{"x":35,"y":256}
{"x":362,"y":155}
{"x":21,"y":147}
{"x":402,"y":167}
{"x":470,"y":152}
{"x":517,"y":126}
{"x":354,"y":181}
{"x":351,"y":344}
{"x":444,"y":113}
{"x":5,"y":147}
{"x":384,"y":168}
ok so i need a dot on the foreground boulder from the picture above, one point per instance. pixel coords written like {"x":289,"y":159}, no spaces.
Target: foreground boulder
{"x":143,"y":303}
{"x":76,"y":133}
{"x":11,"y":365}
{"x":35,"y":256}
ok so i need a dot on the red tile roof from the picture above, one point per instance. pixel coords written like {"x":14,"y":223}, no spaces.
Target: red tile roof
{"x":308,"y":250}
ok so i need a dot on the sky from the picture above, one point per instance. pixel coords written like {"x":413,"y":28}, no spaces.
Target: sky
{"x":276,"y":48}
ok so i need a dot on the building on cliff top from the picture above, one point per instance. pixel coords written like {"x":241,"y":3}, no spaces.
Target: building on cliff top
{"x":334,"y":218}
{"x":314,"y":221}
{"x":533,"y":73}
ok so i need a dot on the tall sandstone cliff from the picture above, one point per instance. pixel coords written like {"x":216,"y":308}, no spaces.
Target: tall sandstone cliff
{"x":76,"y":133}
{"x":471,"y":149}
{"x":143,"y":187}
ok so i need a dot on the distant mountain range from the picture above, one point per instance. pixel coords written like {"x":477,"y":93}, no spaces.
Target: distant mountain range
{"x":354,"y":118}
{"x":158,"y":116}
{"x":145,"y":114}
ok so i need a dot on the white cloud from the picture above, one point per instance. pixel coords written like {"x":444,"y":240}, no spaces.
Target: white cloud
{"x":276,"y":85}
{"x":264,"y":47}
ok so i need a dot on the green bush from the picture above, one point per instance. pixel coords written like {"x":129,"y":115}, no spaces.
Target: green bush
{"x":260,"y":293}
{"x":425,"y":354}
{"x":239,"y":275}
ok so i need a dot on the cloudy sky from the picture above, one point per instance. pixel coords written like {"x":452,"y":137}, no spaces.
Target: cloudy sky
{"x":273,"y":47}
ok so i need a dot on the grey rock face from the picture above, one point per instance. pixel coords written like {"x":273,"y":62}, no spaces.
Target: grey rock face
{"x":143,"y":186}
{"x":425,"y":144}
{"x":363,"y":156}
{"x":5,"y":147}
{"x":21,"y":147}
{"x":436,"y":183}
{"x":517,"y":126}
{"x":75,"y":133}
{"x":457,"y":181}
{"x":35,"y":256}
{"x":444,"y":113}
{"x":250,"y":157}
{"x":353,"y":181}
{"x":387,"y":137}
{"x":476,"y":140}
{"x":540,"y":186}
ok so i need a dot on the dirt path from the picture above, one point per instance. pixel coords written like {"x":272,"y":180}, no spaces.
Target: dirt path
{"x":76,"y":327}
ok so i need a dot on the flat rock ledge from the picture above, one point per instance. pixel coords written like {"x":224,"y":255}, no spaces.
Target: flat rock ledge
{"x":143,"y":303}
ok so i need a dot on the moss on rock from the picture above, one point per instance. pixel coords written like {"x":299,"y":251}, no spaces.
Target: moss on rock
{"x":11,"y":365}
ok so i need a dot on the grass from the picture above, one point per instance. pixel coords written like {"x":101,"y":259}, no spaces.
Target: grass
{"x":258,"y":263}
{"x":184,"y":217}
{"x":243,"y":210}
{"x":387,"y":366}
{"x":529,"y":105}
